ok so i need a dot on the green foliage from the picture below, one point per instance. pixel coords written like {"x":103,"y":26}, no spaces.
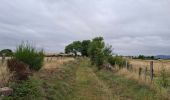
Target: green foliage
{"x":74,"y":48}
{"x":98,"y":52}
{"x":84,"y":47}
{"x":108,"y":51}
{"x":7,"y":52}
{"x":141,"y":57}
{"x":95,"y":50}
{"x":29,"y":55}
{"x":118,"y":60}
{"x":24,"y":90}
{"x":145,"y":57}
{"x":69,"y":48}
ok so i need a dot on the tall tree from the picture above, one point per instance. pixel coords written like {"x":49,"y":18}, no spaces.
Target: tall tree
{"x":98,"y":52}
{"x":7,"y":52}
{"x":84,"y":47}
{"x":95,"y":51}
{"x":69,"y":49}
{"x":74,"y":48}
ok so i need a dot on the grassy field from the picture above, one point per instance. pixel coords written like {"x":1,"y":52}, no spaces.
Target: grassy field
{"x":76,"y":79}
{"x":161,"y":71}
{"x":158,"y":64}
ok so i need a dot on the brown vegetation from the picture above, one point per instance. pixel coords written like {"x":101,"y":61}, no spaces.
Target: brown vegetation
{"x":20,"y":69}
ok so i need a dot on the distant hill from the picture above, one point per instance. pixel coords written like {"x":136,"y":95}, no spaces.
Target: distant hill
{"x":163,"y":56}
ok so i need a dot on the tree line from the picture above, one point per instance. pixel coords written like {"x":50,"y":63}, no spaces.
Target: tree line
{"x":96,"y":49}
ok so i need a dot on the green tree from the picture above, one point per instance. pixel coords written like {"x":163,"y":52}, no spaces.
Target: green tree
{"x":96,"y":51}
{"x":74,"y":48}
{"x":108,"y":51}
{"x":141,"y":57}
{"x":69,"y":49}
{"x":84,"y":47}
{"x":7,"y":52}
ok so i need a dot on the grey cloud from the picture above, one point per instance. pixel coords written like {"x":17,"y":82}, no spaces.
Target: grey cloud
{"x":132,"y":27}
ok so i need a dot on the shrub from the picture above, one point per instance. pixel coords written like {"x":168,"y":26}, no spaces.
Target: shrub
{"x":29,"y":55}
{"x":121,"y":62}
{"x":20,"y":69}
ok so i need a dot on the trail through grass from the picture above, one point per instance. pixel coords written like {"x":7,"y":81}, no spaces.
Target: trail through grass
{"x":88,"y":86}
{"x":78,"y":80}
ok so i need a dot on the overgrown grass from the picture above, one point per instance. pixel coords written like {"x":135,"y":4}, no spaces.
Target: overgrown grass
{"x":61,"y":84}
{"x":29,"y":55}
{"x":47,"y":84}
{"x":124,"y":88}
{"x":76,"y":80}
{"x":27,"y":90}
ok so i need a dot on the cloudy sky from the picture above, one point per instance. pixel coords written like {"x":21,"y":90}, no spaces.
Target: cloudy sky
{"x":132,"y":27}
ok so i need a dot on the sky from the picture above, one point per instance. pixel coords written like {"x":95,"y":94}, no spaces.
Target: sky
{"x":132,"y":27}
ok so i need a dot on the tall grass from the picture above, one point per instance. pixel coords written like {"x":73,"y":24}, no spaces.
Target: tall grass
{"x":5,"y":75}
{"x":30,"y":55}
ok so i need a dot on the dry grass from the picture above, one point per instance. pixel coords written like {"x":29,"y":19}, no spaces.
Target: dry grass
{"x":141,"y":80}
{"x":55,"y":62}
{"x":132,"y":75}
{"x":158,"y":64}
{"x":5,"y":75}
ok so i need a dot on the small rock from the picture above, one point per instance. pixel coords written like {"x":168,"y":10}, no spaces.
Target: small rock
{"x":6,"y":91}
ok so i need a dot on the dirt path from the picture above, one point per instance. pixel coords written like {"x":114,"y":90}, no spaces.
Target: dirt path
{"x":89,"y":87}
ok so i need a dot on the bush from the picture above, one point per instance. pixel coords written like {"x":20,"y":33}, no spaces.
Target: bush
{"x":29,"y":55}
{"x":121,"y":62}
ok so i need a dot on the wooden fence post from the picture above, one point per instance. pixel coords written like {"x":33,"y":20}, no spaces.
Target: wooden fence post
{"x":140,"y":71}
{"x":151,"y":70}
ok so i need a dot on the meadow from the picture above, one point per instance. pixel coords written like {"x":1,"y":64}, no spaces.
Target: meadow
{"x":158,"y":64}
{"x":68,"y":78}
